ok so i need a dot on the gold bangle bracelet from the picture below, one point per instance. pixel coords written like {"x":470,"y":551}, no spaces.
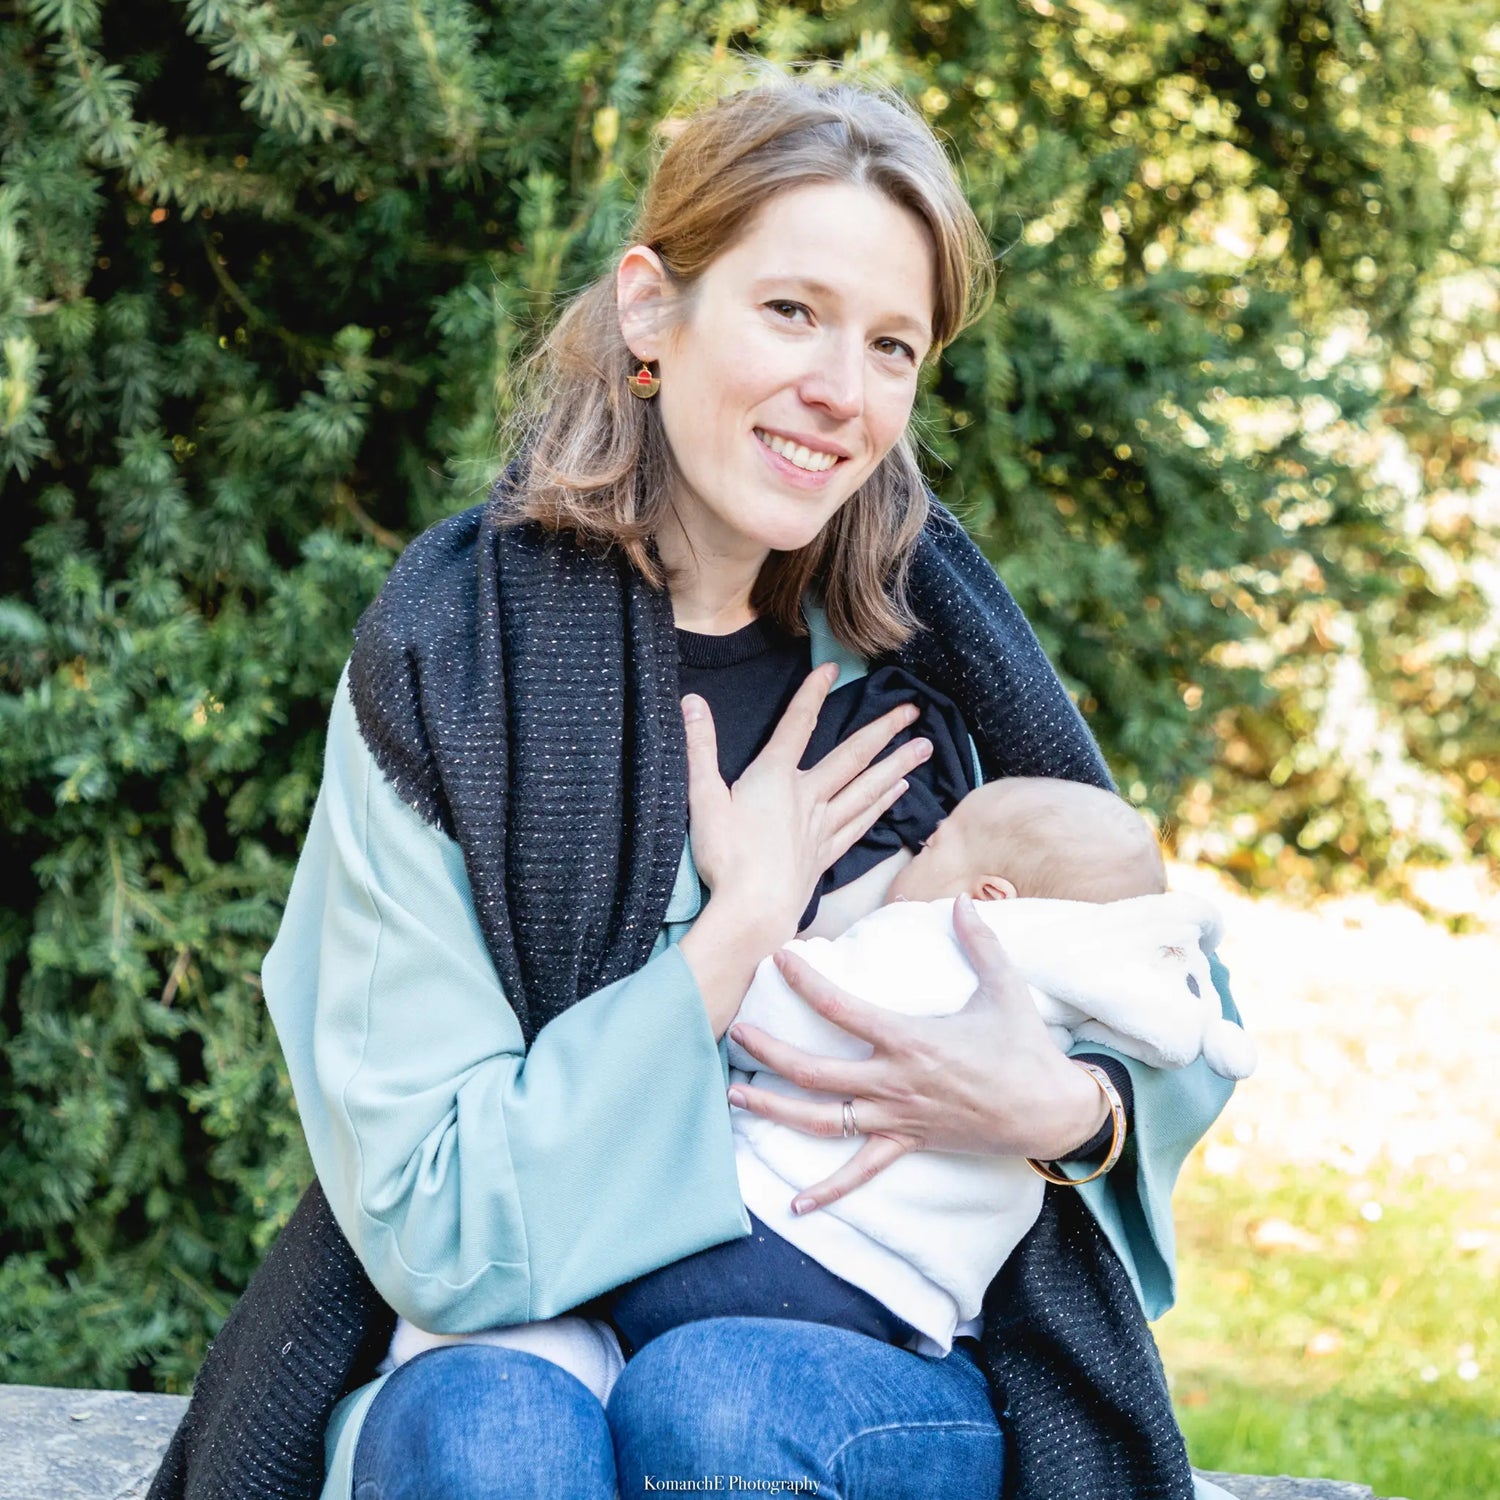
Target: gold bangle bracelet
{"x":1117,"y":1140}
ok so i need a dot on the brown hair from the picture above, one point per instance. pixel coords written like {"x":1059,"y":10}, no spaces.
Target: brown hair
{"x":1064,"y":839}
{"x":600,"y":465}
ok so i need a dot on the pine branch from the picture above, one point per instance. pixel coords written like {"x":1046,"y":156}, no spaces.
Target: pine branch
{"x":246,"y":41}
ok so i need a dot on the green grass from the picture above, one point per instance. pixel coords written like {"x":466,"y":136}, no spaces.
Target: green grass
{"x":1312,"y":1337}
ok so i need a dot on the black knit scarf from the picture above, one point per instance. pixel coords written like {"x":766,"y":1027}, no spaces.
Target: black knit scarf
{"x":521,"y":693}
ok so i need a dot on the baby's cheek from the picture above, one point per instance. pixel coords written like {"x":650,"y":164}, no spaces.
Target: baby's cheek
{"x":921,"y":880}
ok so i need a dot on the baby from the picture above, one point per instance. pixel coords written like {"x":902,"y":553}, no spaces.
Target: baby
{"x":1092,"y":875}
{"x":1110,"y":959}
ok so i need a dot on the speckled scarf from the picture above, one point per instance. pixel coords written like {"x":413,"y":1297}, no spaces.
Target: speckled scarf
{"x":521,"y":693}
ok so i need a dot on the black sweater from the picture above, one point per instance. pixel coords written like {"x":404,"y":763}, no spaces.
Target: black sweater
{"x":748,"y":678}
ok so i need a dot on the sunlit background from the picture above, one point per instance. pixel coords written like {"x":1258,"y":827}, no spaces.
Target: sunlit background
{"x":1229,"y":433}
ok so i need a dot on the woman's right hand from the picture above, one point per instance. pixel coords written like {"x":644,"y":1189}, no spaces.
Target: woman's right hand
{"x":762,"y":845}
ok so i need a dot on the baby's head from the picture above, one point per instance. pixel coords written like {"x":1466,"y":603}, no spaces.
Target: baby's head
{"x":1031,"y":836}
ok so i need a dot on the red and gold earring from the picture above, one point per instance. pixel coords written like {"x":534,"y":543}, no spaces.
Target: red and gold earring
{"x":643,"y":383}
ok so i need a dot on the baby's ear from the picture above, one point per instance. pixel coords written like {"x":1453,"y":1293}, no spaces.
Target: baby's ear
{"x":993,"y":888}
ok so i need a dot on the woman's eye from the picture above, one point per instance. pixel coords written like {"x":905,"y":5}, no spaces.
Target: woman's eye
{"x":796,"y":307}
{"x":898,"y":348}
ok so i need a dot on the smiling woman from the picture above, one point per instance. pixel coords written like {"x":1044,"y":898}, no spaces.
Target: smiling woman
{"x":778,"y":410}
{"x":534,"y":893}
{"x":799,"y":254}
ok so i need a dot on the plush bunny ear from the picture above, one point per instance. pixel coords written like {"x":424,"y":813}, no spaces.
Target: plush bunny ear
{"x":1228,"y":1050}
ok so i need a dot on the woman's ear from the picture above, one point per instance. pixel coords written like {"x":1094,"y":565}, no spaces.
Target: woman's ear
{"x":641,"y":286}
{"x":993,"y":888}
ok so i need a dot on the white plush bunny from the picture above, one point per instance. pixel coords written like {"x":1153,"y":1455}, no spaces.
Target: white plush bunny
{"x":927,"y":1235}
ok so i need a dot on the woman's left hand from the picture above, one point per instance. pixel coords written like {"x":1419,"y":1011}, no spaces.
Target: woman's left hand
{"x":987,"y":1079}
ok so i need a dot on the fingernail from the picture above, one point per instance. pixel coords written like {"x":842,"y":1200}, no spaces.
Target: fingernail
{"x":737,"y":1098}
{"x":902,"y":787}
{"x":692,"y":708}
{"x":924,"y":748}
{"x":966,"y":901}
{"x":913,"y":713}
{"x":737,"y":1033}
{"x":802,"y":1205}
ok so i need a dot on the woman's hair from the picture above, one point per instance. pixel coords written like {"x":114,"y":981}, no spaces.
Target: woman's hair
{"x":598,"y":461}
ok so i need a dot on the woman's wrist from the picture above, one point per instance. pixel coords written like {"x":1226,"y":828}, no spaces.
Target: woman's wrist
{"x":723,"y":948}
{"x":1078,"y":1113}
{"x":1098,"y":1147}
{"x":1117,"y":1132}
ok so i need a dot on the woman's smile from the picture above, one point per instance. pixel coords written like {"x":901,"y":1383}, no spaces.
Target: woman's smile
{"x":797,"y":463}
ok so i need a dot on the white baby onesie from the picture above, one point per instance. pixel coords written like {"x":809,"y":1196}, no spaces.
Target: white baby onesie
{"x":927,"y":1236}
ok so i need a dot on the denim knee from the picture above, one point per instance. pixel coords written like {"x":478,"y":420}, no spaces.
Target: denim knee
{"x":822,"y":1410}
{"x":473,"y":1422}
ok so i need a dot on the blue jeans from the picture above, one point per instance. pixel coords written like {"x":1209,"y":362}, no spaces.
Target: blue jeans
{"x":738,"y":1405}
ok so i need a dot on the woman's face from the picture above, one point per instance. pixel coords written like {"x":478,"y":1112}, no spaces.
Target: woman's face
{"x":805,"y":336}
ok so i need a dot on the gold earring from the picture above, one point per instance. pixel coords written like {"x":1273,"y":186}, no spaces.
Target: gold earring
{"x":643,"y":383}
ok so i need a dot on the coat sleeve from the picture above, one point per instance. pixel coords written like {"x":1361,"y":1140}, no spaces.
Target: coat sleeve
{"x":481,"y":1184}
{"x":1173,"y":1109}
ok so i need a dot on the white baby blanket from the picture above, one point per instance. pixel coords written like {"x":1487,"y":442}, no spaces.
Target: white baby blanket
{"x":1132,"y":974}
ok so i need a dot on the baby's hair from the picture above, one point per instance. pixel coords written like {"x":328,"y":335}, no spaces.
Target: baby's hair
{"x":1066,"y":840}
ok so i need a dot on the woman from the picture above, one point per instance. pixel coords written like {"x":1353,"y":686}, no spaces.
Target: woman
{"x":500,"y":991}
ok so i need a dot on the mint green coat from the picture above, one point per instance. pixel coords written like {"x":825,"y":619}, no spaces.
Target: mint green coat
{"x":481,"y":1184}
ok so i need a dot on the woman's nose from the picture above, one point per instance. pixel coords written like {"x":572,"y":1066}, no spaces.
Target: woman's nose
{"x":837,"y":381}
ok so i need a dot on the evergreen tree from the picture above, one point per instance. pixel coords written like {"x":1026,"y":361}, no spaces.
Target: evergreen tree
{"x":264,"y":268}
{"x":1235,"y":400}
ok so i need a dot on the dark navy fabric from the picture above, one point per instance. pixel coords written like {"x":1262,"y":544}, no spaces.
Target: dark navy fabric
{"x":747,"y":678}
{"x":760,"y":1276}
{"x":934,"y":788}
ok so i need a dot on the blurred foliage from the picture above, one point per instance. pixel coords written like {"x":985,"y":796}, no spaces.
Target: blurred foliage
{"x":1236,"y":404}
{"x":264,"y":266}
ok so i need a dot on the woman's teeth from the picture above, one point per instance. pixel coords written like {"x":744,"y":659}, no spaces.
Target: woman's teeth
{"x":795,"y":453}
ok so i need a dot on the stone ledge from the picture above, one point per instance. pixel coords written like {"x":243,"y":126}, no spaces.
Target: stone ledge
{"x":1250,"y":1487}
{"x":106,"y":1445}
{"x":82,"y":1445}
